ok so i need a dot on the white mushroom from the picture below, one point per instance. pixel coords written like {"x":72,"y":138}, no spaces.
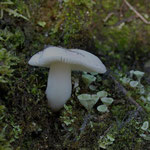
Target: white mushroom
{"x":61,"y":61}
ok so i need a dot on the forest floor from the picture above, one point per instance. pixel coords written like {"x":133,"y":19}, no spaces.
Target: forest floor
{"x":117,"y":32}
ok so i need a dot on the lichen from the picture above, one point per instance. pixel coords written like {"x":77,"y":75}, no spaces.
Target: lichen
{"x":121,"y":43}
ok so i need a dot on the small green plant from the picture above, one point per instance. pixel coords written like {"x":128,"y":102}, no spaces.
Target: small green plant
{"x":41,"y":23}
{"x":4,"y":144}
{"x":88,"y":101}
{"x":7,"y":60}
{"x":11,"y":39}
{"x":4,"y":7}
{"x":8,"y":134}
{"x":105,"y":100}
{"x":67,"y":116}
{"x":146,"y":132}
{"x":134,"y":80}
{"x":102,"y":108}
{"x":106,"y":141}
{"x":102,"y":94}
{"x":138,"y":74}
{"x":88,"y":79}
{"x":145,"y":126}
{"x":133,"y":83}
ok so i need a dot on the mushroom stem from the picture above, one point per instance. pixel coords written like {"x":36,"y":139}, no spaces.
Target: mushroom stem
{"x":59,"y":85}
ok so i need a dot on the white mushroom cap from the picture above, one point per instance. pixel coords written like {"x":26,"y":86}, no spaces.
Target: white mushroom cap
{"x":78,"y":59}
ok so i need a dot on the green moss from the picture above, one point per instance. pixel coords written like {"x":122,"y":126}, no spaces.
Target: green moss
{"x":26,"y":121}
{"x":110,"y":5}
{"x":71,"y":29}
{"x":122,"y":111}
{"x":7,"y":61}
{"x":9,"y":131}
{"x":127,"y":138}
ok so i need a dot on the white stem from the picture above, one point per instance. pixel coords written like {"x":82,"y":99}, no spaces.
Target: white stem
{"x":59,"y":85}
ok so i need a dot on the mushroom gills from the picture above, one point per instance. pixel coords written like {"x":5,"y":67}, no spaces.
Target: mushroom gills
{"x":59,"y":85}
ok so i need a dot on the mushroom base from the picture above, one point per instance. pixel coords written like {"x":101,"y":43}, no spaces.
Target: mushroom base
{"x":59,"y":85}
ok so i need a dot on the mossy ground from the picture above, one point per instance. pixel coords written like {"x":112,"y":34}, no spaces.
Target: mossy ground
{"x":26,"y":122}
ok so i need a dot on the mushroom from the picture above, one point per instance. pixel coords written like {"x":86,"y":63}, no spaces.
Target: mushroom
{"x":61,"y":61}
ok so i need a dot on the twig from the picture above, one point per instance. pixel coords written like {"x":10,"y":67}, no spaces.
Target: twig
{"x":136,"y":12}
{"x":108,"y":129}
{"x":125,"y":93}
{"x":132,"y":115}
{"x":108,"y":16}
{"x":85,"y":122}
{"x":125,"y":20}
{"x":121,"y":9}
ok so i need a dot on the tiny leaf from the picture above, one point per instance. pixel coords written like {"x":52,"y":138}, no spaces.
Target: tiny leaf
{"x":134,"y":84}
{"x":107,"y":101}
{"x":41,"y":23}
{"x":102,"y":94}
{"x":145,"y":126}
{"x":88,"y":79}
{"x":88,"y":101}
{"x":102,"y":108}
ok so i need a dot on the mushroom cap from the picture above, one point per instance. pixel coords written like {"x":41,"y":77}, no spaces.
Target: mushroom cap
{"x":76,"y":58}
